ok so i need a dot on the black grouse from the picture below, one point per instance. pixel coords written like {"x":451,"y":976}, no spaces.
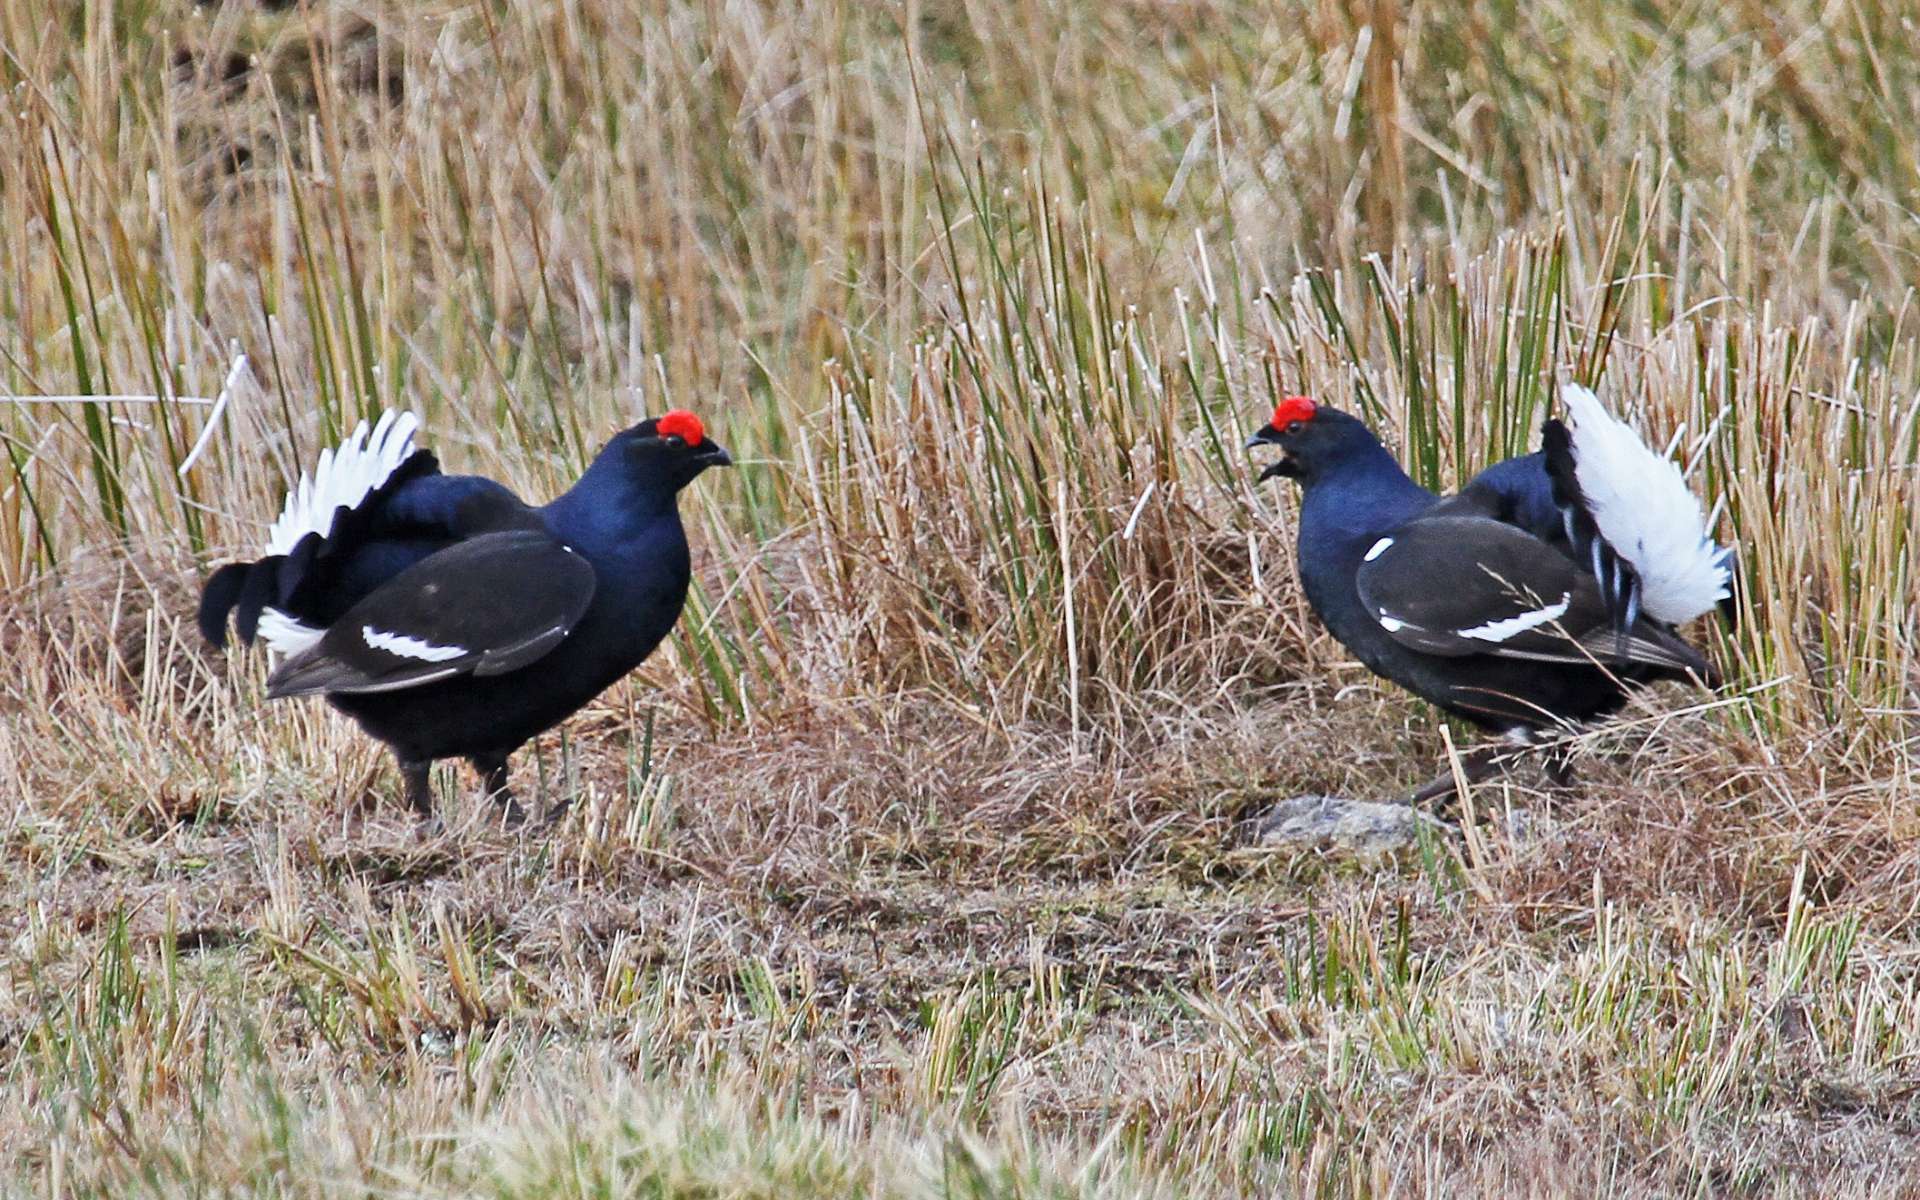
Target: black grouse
{"x":1535,"y":598}
{"x":448,"y":617}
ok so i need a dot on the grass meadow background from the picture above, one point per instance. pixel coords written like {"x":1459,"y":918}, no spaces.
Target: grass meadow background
{"x":911,"y":867}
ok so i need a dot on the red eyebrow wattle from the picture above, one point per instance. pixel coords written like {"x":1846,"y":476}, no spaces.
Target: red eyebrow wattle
{"x":684,"y":425}
{"x":1291,"y":409}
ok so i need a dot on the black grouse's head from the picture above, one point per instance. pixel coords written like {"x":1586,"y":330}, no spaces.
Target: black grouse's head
{"x":1315,"y":438}
{"x":672,"y":449}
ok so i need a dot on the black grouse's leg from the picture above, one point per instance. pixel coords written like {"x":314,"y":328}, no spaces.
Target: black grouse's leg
{"x":493,"y":776}
{"x":1475,"y":765}
{"x":416,"y":778}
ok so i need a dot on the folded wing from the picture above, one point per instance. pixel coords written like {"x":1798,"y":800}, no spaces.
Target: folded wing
{"x":1450,"y":585}
{"x":484,"y":606}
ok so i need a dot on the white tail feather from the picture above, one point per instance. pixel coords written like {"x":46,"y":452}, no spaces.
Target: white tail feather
{"x":284,"y":635}
{"x":342,"y":478}
{"x":1642,"y":506}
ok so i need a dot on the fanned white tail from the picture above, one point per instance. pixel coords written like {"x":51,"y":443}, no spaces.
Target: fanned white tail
{"x":1641,"y":504}
{"x":343,"y":478}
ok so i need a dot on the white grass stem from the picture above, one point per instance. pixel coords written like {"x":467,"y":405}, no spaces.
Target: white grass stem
{"x":213,"y":418}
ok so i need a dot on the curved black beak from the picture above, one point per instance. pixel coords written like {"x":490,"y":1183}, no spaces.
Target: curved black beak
{"x":714,"y":455}
{"x":1269,"y":436}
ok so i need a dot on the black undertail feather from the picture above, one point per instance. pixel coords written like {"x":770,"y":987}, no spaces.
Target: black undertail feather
{"x":217,"y":600}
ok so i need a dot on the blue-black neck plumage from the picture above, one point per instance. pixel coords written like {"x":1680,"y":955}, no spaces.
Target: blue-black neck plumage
{"x":623,"y":516}
{"x":620,"y":500}
{"x":1352,"y":487}
{"x":1353,"y":491}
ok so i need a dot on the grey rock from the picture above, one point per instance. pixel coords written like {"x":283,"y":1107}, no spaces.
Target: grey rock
{"x":1362,"y":827}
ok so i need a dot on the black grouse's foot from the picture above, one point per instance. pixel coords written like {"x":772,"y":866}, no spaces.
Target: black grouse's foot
{"x":1559,"y":768}
{"x":1442,"y":792}
{"x":493,"y":776}
{"x":1475,"y":765}
{"x":555,"y":812}
{"x":512,"y":816}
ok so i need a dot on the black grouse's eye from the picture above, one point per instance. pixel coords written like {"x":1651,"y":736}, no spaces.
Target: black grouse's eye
{"x":1293,"y":427}
{"x":674,"y":439}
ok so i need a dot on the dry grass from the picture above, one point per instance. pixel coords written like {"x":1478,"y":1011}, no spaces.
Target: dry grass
{"x":912,"y":867}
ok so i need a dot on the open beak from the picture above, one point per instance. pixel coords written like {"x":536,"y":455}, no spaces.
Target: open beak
{"x":715,"y":455}
{"x":1269,"y":436}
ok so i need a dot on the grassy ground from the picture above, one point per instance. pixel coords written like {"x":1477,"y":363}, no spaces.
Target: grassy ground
{"x":913,"y":867}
